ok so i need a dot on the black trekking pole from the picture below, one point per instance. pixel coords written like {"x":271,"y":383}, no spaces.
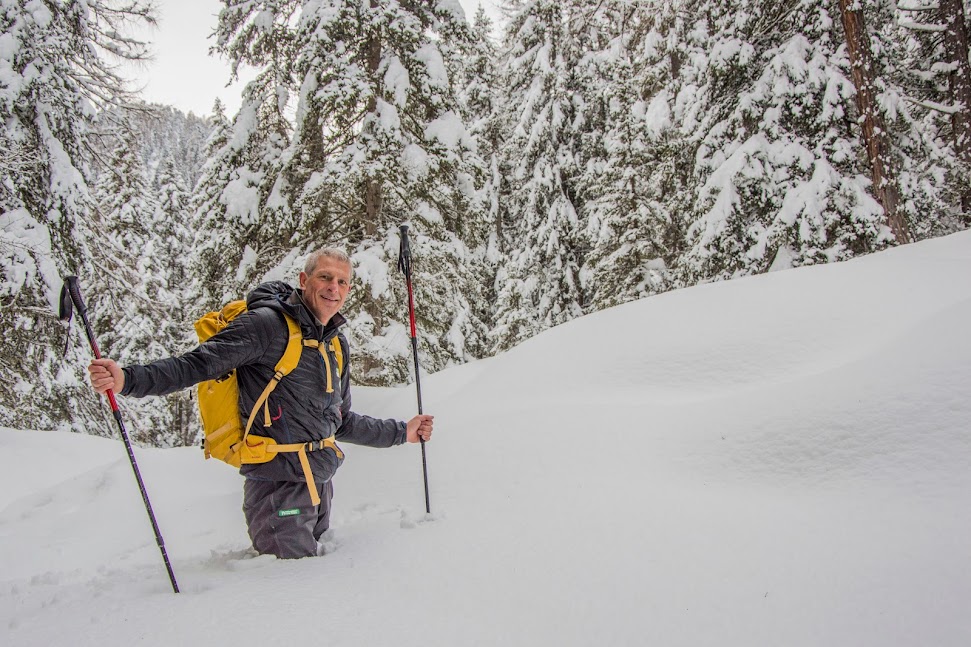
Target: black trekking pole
{"x":71,"y":294}
{"x":404,"y":264}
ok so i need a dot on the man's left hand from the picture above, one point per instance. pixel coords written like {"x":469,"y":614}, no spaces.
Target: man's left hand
{"x":420,"y":428}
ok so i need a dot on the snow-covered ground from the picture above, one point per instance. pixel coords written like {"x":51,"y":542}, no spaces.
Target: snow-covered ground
{"x":781,"y":460}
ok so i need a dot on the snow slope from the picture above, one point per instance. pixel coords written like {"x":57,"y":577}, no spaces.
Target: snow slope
{"x":778,"y":460}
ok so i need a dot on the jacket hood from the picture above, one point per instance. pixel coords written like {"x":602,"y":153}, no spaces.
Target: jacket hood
{"x":283,"y":297}
{"x":273,"y":294}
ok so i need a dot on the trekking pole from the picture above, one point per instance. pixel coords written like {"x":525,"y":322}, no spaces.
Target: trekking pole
{"x":71,"y":293}
{"x":404,"y":264}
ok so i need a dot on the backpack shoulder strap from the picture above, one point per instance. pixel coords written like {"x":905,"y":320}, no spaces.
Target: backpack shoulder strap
{"x":338,"y":348}
{"x":291,"y":356}
{"x":289,"y":361}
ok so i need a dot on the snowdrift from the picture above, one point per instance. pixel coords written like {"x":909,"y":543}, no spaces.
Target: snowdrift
{"x":778,"y":460}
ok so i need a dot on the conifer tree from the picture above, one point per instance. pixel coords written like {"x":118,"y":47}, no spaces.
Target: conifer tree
{"x":175,"y":244}
{"x":634,"y":175}
{"x":207,"y":271}
{"x":378,"y":139}
{"x":929,"y":43}
{"x":125,"y":217}
{"x":242,"y":221}
{"x":539,"y":285}
{"x":954,"y":43}
{"x":875,"y":136}
{"x":57,"y":63}
{"x":479,"y":95}
{"x":131,"y":306}
{"x":779,"y":167}
{"x":166,"y":135}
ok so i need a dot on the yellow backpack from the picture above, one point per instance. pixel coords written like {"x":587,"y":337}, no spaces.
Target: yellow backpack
{"x":226,"y":438}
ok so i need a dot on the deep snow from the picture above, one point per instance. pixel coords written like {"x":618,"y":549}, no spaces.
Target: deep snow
{"x":777,"y":460}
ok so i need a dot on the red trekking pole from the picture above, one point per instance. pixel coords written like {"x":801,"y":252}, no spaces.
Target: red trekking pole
{"x":404,"y":264}
{"x":71,"y":294}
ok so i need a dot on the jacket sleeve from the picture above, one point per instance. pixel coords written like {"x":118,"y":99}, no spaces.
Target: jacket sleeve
{"x":244,"y":341}
{"x":359,"y":429}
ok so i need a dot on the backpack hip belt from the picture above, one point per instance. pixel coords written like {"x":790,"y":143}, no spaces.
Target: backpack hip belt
{"x":255,"y":449}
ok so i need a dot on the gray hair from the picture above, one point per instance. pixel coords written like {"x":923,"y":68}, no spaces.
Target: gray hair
{"x":327,"y":252}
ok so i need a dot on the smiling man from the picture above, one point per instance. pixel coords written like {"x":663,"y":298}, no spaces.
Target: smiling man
{"x":325,"y":284}
{"x":311,"y":404}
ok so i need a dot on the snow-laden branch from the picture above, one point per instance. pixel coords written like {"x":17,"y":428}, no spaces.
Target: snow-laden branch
{"x":920,"y":26}
{"x":928,"y":7}
{"x":14,"y":158}
{"x":933,"y":105}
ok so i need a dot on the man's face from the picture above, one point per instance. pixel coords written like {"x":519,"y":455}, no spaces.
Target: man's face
{"x":326,"y":288}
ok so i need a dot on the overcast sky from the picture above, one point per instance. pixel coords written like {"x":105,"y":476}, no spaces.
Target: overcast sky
{"x":183,"y":73}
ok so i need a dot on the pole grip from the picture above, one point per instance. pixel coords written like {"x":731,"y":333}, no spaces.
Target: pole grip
{"x":74,"y":289}
{"x":404,"y":252}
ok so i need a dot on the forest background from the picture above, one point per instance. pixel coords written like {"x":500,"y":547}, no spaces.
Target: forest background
{"x":574,"y":157}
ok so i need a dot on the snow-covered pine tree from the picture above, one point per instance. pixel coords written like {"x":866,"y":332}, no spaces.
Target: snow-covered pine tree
{"x":633,"y":172}
{"x":143,"y":155}
{"x":124,"y":218}
{"x":378,"y":140}
{"x":875,"y":135}
{"x":378,"y":98}
{"x":129,"y":302}
{"x":166,"y":135}
{"x":160,"y":134}
{"x":175,"y":239}
{"x":927,"y":56}
{"x":234,"y":200}
{"x":478,"y":93}
{"x":242,"y":217}
{"x":57,"y":67}
{"x":783,"y":179}
{"x":479,"y":82}
{"x":539,"y":284}
{"x":174,"y":245}
{"x":206,"y":269}
{"x":953,"y":15}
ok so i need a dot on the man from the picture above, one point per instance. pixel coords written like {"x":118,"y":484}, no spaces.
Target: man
{"x":312,"y":403}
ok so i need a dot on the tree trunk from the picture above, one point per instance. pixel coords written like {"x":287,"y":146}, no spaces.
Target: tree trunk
{"x":373,"y":197}
{"x":956,"y":50}
{"x":874,"y":131}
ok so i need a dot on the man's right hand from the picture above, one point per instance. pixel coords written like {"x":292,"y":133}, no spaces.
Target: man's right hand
{"x":106,"y":375}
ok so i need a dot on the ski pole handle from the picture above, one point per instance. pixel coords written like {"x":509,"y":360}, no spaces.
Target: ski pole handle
{"x":404,"y":253}
{"x":74,"y":290}
{"x":404,"y":262}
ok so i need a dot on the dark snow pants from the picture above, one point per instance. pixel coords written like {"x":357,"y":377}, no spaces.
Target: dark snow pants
{"x":282,"y":520}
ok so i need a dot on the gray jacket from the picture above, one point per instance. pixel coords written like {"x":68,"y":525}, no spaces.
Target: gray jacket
{"x":300,"y":407}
